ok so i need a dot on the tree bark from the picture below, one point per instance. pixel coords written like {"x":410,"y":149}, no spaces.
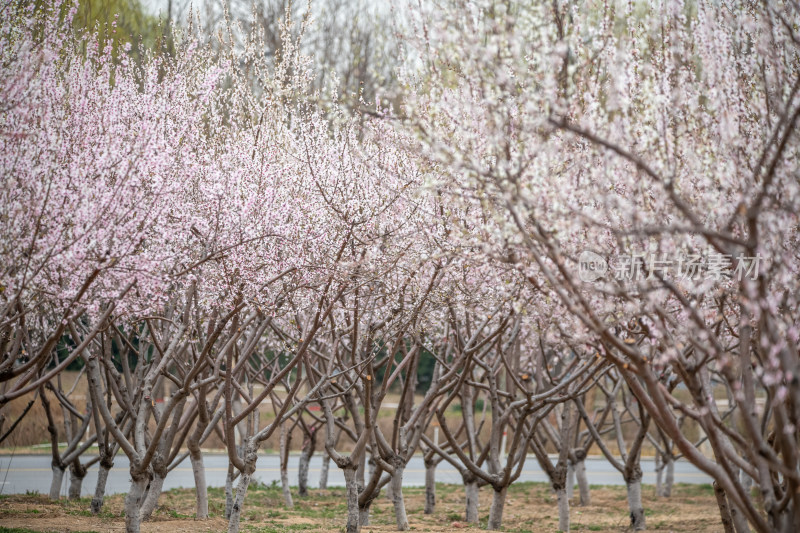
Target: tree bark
{"x":76,"y":475}
{"x":55,"y":483}
{"x":583,"y":482}
{"x":496,"y":510}
{"x":570,"y":480}
{"x":363,"y":514}
{"x":250,"y":458}
{"x":739,"y":520}
{"x":229,"y":491}
{"x":397,"y":495}
{"x":305,"y":458}
{"x":635,"y":503}
{"x":563,"y":510}
{"x":323,"y":474}
{"x":133,"y":501}
{"x":151,"y":498}
{"x":430,"y":487}
{"x":669,"y":477}
{"x":285,"y":439}
{"x":201,"y":488}
{"x":353,"y":523}
{"x":724,"y":510}
{"x":238,"y":502}
{"x":659,"y":463}
{"x":100,"y":487}
{"x":471,"y":493}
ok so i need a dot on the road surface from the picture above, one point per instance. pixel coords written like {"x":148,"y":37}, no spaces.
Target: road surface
{"x":23,"y":473}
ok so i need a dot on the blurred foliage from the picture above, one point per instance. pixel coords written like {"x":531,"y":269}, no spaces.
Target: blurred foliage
{"x":120,"y":21}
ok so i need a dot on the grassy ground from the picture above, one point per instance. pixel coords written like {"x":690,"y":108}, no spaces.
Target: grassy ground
{"x":530,"y":507}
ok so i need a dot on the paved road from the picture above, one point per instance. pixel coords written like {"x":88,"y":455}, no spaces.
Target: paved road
{"x":32,"y":473}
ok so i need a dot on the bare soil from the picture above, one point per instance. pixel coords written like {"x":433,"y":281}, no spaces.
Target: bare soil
{"x":530,"y":507}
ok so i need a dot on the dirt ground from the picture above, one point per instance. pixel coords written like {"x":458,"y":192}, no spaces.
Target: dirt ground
{"x":530,"y":507}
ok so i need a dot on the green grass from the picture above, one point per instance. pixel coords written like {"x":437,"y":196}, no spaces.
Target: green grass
{"x":690,"y":489}
{"x":279,"y":528}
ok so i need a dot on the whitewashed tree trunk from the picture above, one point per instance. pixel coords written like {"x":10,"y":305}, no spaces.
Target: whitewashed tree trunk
{"x":635,"y":504}
{"x":287,"y":492}
{"x":496,"y":510}
{"x":302,"y":468}
{"x":397,"y":495}
{"x":133,"y":501}
{"x":323,"y":474}
{"x":100,"y":487}
{"x":389,"y":489}
{"x":229,"y":491}
{"x":430,"y":487}
{"x":238,"y":502}
{"x":570,"y":480}
{"x":669,"y":477}
{"x":353,"y":523}
{"x":250,"y":458}
{"x":563,"y":510}
{"x":471,"y":493}
{"x":363,"y":514}
{"x":285,"y":439}
{"x":76,"y":475}
{"x":583,"y":483}
{"x":201,"y":488}
{"x":151,"y":499}
{"x":659,"y":461}
{"x":56,"y":482}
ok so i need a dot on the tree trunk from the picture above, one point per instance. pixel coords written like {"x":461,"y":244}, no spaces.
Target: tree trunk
{"x":151,"y":498}
{"x":389,"y":489}
{"x":238,"y":502}
{"x":471,"y":492}
{"x":55,"y":483}
{"x":669,"y":477}
{"x":100,"y":487}
{"x":570,"y":480}
{"x":430,"y":487}
{"x":285,"y":439}
{"x":353,"y":525}
{"x":250,"y":458}
{"x":363,"y":514}
{"x":635,"y":503}
{"x":133,"y":501}
{"x":229,"y":491}
{"x":563,"y":510}
{"x":287,"y":492}
{"x":724,"y":510}
{"x":583,"y":482}
{"x":76,"y":475}
{"x":659,"y":461}
{"x":739,"y":520}
{"x":302,"y":468}
{"x":496,"y":510}
{"x":396,"y":484}
{"x":323,"y":474}
{"x":200,"y":485}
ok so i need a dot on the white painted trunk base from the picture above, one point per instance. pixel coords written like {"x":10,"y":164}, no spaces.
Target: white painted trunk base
{"x":471,"y":497}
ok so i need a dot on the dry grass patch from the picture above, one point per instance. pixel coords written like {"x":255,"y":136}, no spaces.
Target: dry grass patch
{"x":530,"y":507}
